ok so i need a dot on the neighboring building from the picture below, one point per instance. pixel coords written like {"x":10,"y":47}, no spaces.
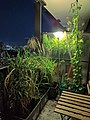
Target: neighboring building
{"x":49,"y":22}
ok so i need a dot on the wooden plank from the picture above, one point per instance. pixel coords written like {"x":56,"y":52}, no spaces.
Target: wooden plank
{"x":75,"y":96}
{"x":74,"y":99}
{"x":74,"y":106}
{"x":74,"y":102}
{"x":71,"y":114}
{"x":76,"y":111}
{"x":86,"y":96}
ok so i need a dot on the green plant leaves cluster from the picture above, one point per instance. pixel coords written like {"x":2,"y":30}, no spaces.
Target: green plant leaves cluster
{"x":26,"y":74}
{"x":53,"y":45}
{"x":44,"y":64}
{"x":75,"y":43}
{"x":20,"y":86}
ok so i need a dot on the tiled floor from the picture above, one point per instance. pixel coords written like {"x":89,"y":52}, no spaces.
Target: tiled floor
{"x":48,"y":112}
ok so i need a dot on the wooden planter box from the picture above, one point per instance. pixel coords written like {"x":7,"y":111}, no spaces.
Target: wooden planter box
{"x":36,"y":111}
{"x":3,"y":74}
{"x":3,"y":102}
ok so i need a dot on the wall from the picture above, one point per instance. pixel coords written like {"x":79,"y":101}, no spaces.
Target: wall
{"x":85,"y":56}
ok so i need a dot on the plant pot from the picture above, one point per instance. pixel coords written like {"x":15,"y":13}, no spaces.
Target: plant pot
{"x":71,"y":88}
{"x":53,"y":90}
{"x":36,"y":111}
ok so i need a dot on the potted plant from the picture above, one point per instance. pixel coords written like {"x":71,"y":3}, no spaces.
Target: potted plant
{"x":26,"y":74}
{"x":44,"y":64}
{"x":21,"y":89}
{"x":74,"y":44}
{"x":45,"y":68}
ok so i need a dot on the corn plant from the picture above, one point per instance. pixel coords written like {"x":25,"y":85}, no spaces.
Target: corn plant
{"x":38,"y":60}
{"x":53,"y":46}
{"x":34,"y":46}
{"x":20,"y":86}
{"x":44,"y":65}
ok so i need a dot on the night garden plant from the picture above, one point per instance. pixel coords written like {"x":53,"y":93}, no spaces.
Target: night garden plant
{"x":52,"y":45}
{"x":19,"y":85}
{"x":38,"y":61}
{"x":27,"y":73}
{"x":74,"y":43}
{"x":34,"y":46}
{"x":42,"y":68}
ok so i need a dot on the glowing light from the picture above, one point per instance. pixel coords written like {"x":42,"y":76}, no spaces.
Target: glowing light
{"x":59,"y":34}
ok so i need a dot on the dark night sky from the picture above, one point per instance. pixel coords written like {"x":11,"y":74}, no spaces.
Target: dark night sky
{"x":16,"y":21}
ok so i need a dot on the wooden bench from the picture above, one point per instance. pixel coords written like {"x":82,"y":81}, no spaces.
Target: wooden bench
{"x":73,"y":105}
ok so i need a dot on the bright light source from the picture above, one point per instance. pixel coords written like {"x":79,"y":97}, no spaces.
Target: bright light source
{"x":59,"y":34}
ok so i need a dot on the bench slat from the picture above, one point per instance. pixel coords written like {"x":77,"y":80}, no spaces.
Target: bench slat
{"x":71,"y":114}
{"x":75,"y":103}
{"x":75,"y":96}
{"x":74,"y":99}
{"x":74,"y":106}
{"x":86,"y":96}
{"x":76,"y":111}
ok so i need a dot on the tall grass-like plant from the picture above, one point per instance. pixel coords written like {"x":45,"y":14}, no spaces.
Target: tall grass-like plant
{"x":20,"y":86}
{"x":27,"y":72}
{"x":42,"y":69}
{"x":53,"y":45}
{"x":40,"y":61}
{"x":34,"y":46}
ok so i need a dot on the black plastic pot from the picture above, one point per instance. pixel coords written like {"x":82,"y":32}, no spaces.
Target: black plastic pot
{"x":71,"y":88}
{"x":53,"y":90}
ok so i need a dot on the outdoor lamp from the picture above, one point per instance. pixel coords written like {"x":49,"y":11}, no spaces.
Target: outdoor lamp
{"x":59,"y":34}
